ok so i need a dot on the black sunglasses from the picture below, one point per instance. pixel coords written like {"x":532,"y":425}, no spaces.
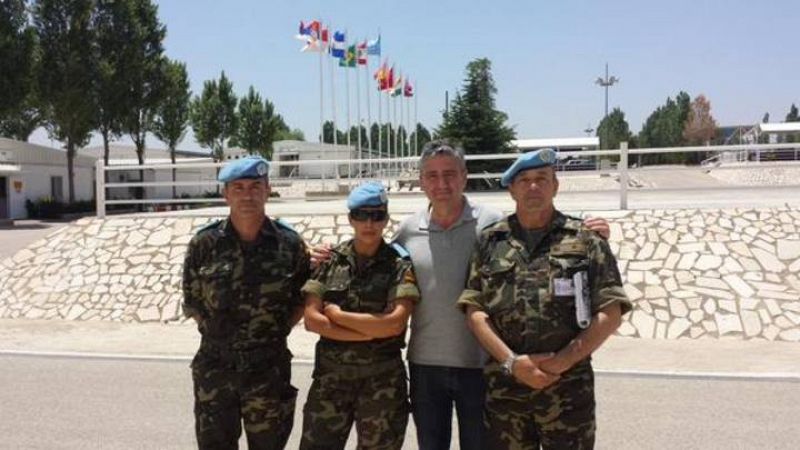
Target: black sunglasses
{"x":362,"y":215}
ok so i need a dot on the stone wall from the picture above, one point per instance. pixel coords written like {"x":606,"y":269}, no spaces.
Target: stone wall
{"x":690,"y":273}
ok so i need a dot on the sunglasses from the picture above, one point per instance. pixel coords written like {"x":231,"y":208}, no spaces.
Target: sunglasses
{"x":362,"y":215}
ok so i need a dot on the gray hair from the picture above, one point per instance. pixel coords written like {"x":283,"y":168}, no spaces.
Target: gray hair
{"x":442,"y":147}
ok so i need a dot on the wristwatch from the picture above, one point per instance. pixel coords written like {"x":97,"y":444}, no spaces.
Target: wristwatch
{"x":508,"y":364}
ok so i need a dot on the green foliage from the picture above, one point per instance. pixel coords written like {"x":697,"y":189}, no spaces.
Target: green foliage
{"x":793,"y":116}
{"x":66,"y":81}
{"x":22,"y":122}
{"x":474,"y":121}
{"x":259,"y":125}
{"x":422,"y":135}
{"x":664,"y":128}
{"x":613,"y":130}
{"x":49,"y":208}
{"x":286,"y":134}
{"x":213,"y":115}
{"x":172,"y":113}
{"x":143,"y":64}
{"x":17,"y":57}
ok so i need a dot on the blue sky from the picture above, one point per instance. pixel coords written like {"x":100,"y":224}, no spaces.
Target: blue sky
{"x":742,"y":55}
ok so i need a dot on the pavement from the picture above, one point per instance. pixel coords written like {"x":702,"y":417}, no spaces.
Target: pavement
{"x":700,"y":358}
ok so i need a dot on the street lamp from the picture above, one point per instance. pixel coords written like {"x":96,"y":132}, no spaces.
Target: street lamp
{"x":606,"y":83}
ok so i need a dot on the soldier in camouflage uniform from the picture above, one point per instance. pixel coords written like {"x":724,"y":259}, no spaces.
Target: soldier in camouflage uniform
{"x":359,"y":302}
{"x":542,"y":294}
{"x":241,"y":282}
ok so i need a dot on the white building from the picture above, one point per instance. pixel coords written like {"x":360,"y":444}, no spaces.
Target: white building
{"x":32,"y":172}
{"x":308,"y":152}
{"x":125,"y":155}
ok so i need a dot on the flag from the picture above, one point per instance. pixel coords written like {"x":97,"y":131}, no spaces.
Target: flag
{"x":324,"y":37}
{"x":389,"y":81}
{"x":380,"y":76}
{"x":397,"y":89}
{"x":312,"y":45}
{"x":374,"y":46}
{"x":338,"y":49}
{"x":309,"y":29}
{"x":361,"y":53}
{"x":349,"y":59}
{"x":408,"y":89}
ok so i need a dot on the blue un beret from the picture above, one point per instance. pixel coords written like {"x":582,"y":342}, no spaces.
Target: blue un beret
{"x":251,"y":167}
{"x":370,"y":193}
{"x":531,"y":160}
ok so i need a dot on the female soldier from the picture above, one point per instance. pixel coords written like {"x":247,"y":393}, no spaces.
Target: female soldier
{"x":359,"y":302}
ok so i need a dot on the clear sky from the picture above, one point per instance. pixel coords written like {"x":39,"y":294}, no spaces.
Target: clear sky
{"x":743,"y":55}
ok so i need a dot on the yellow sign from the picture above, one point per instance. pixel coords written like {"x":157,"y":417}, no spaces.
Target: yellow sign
{"x":18,"y":186}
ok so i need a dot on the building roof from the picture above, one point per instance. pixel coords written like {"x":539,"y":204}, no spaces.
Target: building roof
{"x":127,"y":153}
{"x":14,"y":152}
{"x":785,"y":127}
{"x":557,"y":143}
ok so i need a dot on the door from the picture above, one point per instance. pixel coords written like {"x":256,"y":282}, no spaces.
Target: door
{"x":3,"y":197}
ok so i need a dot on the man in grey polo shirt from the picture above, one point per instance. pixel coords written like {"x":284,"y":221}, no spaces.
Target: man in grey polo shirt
{"x":445,"y":360}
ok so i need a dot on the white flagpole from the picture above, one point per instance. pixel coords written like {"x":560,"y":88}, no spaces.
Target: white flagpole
{"x":358,"y":112}
{"x":380,"y":131}
{"x":416,"y":122}
{"x":369,"y":116}
{"x":396,"y":132}
{"x":347,"y":98}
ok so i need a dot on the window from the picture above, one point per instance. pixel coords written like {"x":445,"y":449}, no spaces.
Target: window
{"x":57,"y":188}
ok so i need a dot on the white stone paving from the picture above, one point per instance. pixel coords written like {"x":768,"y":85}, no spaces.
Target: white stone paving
{"x":690,"y":273}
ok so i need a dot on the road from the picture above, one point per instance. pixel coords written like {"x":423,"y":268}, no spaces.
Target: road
{"x":71,"y":403}
{"x":24,"y":233}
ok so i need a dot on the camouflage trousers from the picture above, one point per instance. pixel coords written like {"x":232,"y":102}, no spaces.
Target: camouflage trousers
{"x":225,"y":397}
{"x":377,"y":402}
{"x":558,"y":417}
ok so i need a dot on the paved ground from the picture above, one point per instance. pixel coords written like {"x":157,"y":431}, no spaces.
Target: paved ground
{"x":24,"y":233}
{"x":71,"y":403}
{"x":713,"y":357}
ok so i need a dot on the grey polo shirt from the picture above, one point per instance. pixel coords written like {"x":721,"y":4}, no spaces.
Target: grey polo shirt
{"x":439,"y":334}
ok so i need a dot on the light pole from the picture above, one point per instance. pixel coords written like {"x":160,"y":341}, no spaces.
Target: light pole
{"x":606,"y":83}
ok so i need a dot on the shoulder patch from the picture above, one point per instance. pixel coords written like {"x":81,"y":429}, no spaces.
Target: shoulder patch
{"x":401,"y":250}
{"x":210,"y":225}
{"x":285,"y":225}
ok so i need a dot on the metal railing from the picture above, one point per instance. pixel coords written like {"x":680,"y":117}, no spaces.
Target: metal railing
{"x":395,"y":171}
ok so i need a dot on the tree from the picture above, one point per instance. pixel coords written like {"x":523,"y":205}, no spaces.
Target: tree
{"x":213,"y":116}
{"x":17,"y":56}
{"x":664,"y":128}
{"x":700,"y":126}
{"x":22,"y":122}
{"x":67,"y":75}
{"x":258,"y":125}
{"x":327,"y":134}
{"x":613,"y":129}
{"x":113,"y":22}
{"x":294,"y":134}
{"x":420,"y":137}
{"x":473,"y":120}
{"x":172,"y":113}
{"x":793,"y":117}
{"x":143,"y":64}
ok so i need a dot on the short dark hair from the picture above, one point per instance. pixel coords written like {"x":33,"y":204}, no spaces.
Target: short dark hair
{"x":442,"y":147}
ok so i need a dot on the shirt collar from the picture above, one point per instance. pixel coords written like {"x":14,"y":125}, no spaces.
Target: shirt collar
{"x":468,"y":214}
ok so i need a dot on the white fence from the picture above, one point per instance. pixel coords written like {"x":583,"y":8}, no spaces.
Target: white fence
{"x":403,"y":170}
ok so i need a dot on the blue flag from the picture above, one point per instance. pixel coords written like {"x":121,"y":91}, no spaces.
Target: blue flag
{"x":374,"y":46}
{"x":338,"y":48}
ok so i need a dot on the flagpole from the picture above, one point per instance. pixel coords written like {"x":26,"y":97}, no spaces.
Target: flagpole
{"x":369,"y":116}
{"x":380,"y":132}
{"x":358,"y":113}
{"x":416,"y":122}
{"x":347,"y":99}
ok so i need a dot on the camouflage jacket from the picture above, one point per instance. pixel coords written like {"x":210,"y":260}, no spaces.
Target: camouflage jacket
{"x":368,"y":289}
{"x":245,"y":293}
{"x":526,"y":293}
